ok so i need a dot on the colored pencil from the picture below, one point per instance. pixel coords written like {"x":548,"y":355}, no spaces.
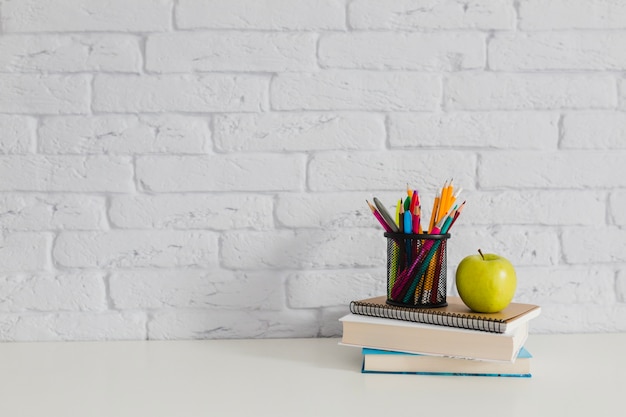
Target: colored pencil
{"x":386,"y":216}
{"x":379,"y":217}
{"x":433,"y":214}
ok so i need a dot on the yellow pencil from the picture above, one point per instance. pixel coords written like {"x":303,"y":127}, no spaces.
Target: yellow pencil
{"x":398,"y":213}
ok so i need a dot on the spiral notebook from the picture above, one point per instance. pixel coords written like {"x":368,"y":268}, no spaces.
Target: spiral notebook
{"x":455,"y":314}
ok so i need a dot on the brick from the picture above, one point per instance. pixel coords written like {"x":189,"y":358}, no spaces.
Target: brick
{"x":191,"y":211}
{"x":343,"y":171}
{"x":23,"y":251}
{"x":331,"y":326}
{"x":571,"y":14}
{"x":184,"y":93}
{"x":495,"y":91}
{"x":298,"y":131}
{"x":214,"y":186}
{"x":540,"y":207}
{"x":493,"y":130}
{"x":622,"y":93}
{"x":593,"y":130}
{"x":70,"y":53}
{"x":594,"y":245}
{"x":617,"y":202}
{"x":231,"y":51}
{"x":557,"y":51}
{"x":224,"y":324}
{"x":314,"y":289}
{"x":37,"y":212}
{"x":86,"y":15}
{"x":44,"y":94}
{"x":124,"y":134}
{"x":65,"y":173}
{"x":355,"y":90}
{"x":431,"y":14}
{"x":73,"y":326}
{"x":196,"y":289}
{"x":620,"y":286}
{"x":221,"y":173}
{"x":565,"y":285}
{"x":551,"y":169}
{"x":75,"y":291}
{"x":135,"y":249}
{"x":330,"y":211}
{"x":522,"y":245}
{"x":18,"y":134}
{"x":306,"y":249}
{"x":384,"y":51}
{"x":269,"y":14}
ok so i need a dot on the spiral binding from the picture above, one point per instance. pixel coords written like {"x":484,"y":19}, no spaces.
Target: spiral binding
{"x":427,"y":316}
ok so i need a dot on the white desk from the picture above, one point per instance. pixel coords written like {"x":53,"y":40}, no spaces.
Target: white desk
{"x":573,"y":375}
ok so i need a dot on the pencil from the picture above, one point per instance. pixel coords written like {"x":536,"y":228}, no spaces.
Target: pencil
{"x":458,"y":212}
{"x":379,"y":217}
{"x":416,"y":220}
{"x":434,"y":289}
{"x":445,"y":200}
{"x":455,"y":196}
{"x":413,"y":201}
{"x":408,"y":222}
{"x":431,"y":273}
{"x":393,"y":268}
{"x":432,"y":249}
{"x":398,"y":213}
{"x":433,"y":214}
{"x":419,"y":220}
{"x":386,"y":216}
{"x":426,"y":254}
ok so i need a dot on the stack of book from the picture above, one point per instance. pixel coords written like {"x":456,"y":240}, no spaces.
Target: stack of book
{"x":451,"y":340}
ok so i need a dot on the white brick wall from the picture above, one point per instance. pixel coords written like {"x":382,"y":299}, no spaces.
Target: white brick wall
{"x":199,"y":168}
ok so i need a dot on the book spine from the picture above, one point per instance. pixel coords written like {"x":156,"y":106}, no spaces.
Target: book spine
{"x":420,"y":316}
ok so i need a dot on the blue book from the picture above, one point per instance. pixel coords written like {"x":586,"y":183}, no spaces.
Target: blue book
{"x":385,"y":361}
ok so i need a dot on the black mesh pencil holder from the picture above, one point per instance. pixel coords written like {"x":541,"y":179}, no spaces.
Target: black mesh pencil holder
{"x":416,"y":270}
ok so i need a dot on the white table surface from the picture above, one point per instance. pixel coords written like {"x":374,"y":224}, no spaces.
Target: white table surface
{"x":573,"y":375}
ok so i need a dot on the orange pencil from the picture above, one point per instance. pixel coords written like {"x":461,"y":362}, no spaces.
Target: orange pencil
{"x":445,"y":199}
{"x":441,"y":195}
{"x":419,"y":223}
{"x":442,"y":200}
{"x":455,"y":196}
{"x":433,"y":214}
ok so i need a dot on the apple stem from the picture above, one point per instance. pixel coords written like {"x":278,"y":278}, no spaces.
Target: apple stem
{"x":481,"y":254}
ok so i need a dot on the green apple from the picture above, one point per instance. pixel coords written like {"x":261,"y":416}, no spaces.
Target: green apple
{"x":486,"y":282}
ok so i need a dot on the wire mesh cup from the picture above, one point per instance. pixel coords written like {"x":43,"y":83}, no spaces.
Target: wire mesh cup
{"x":416,"y":270}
